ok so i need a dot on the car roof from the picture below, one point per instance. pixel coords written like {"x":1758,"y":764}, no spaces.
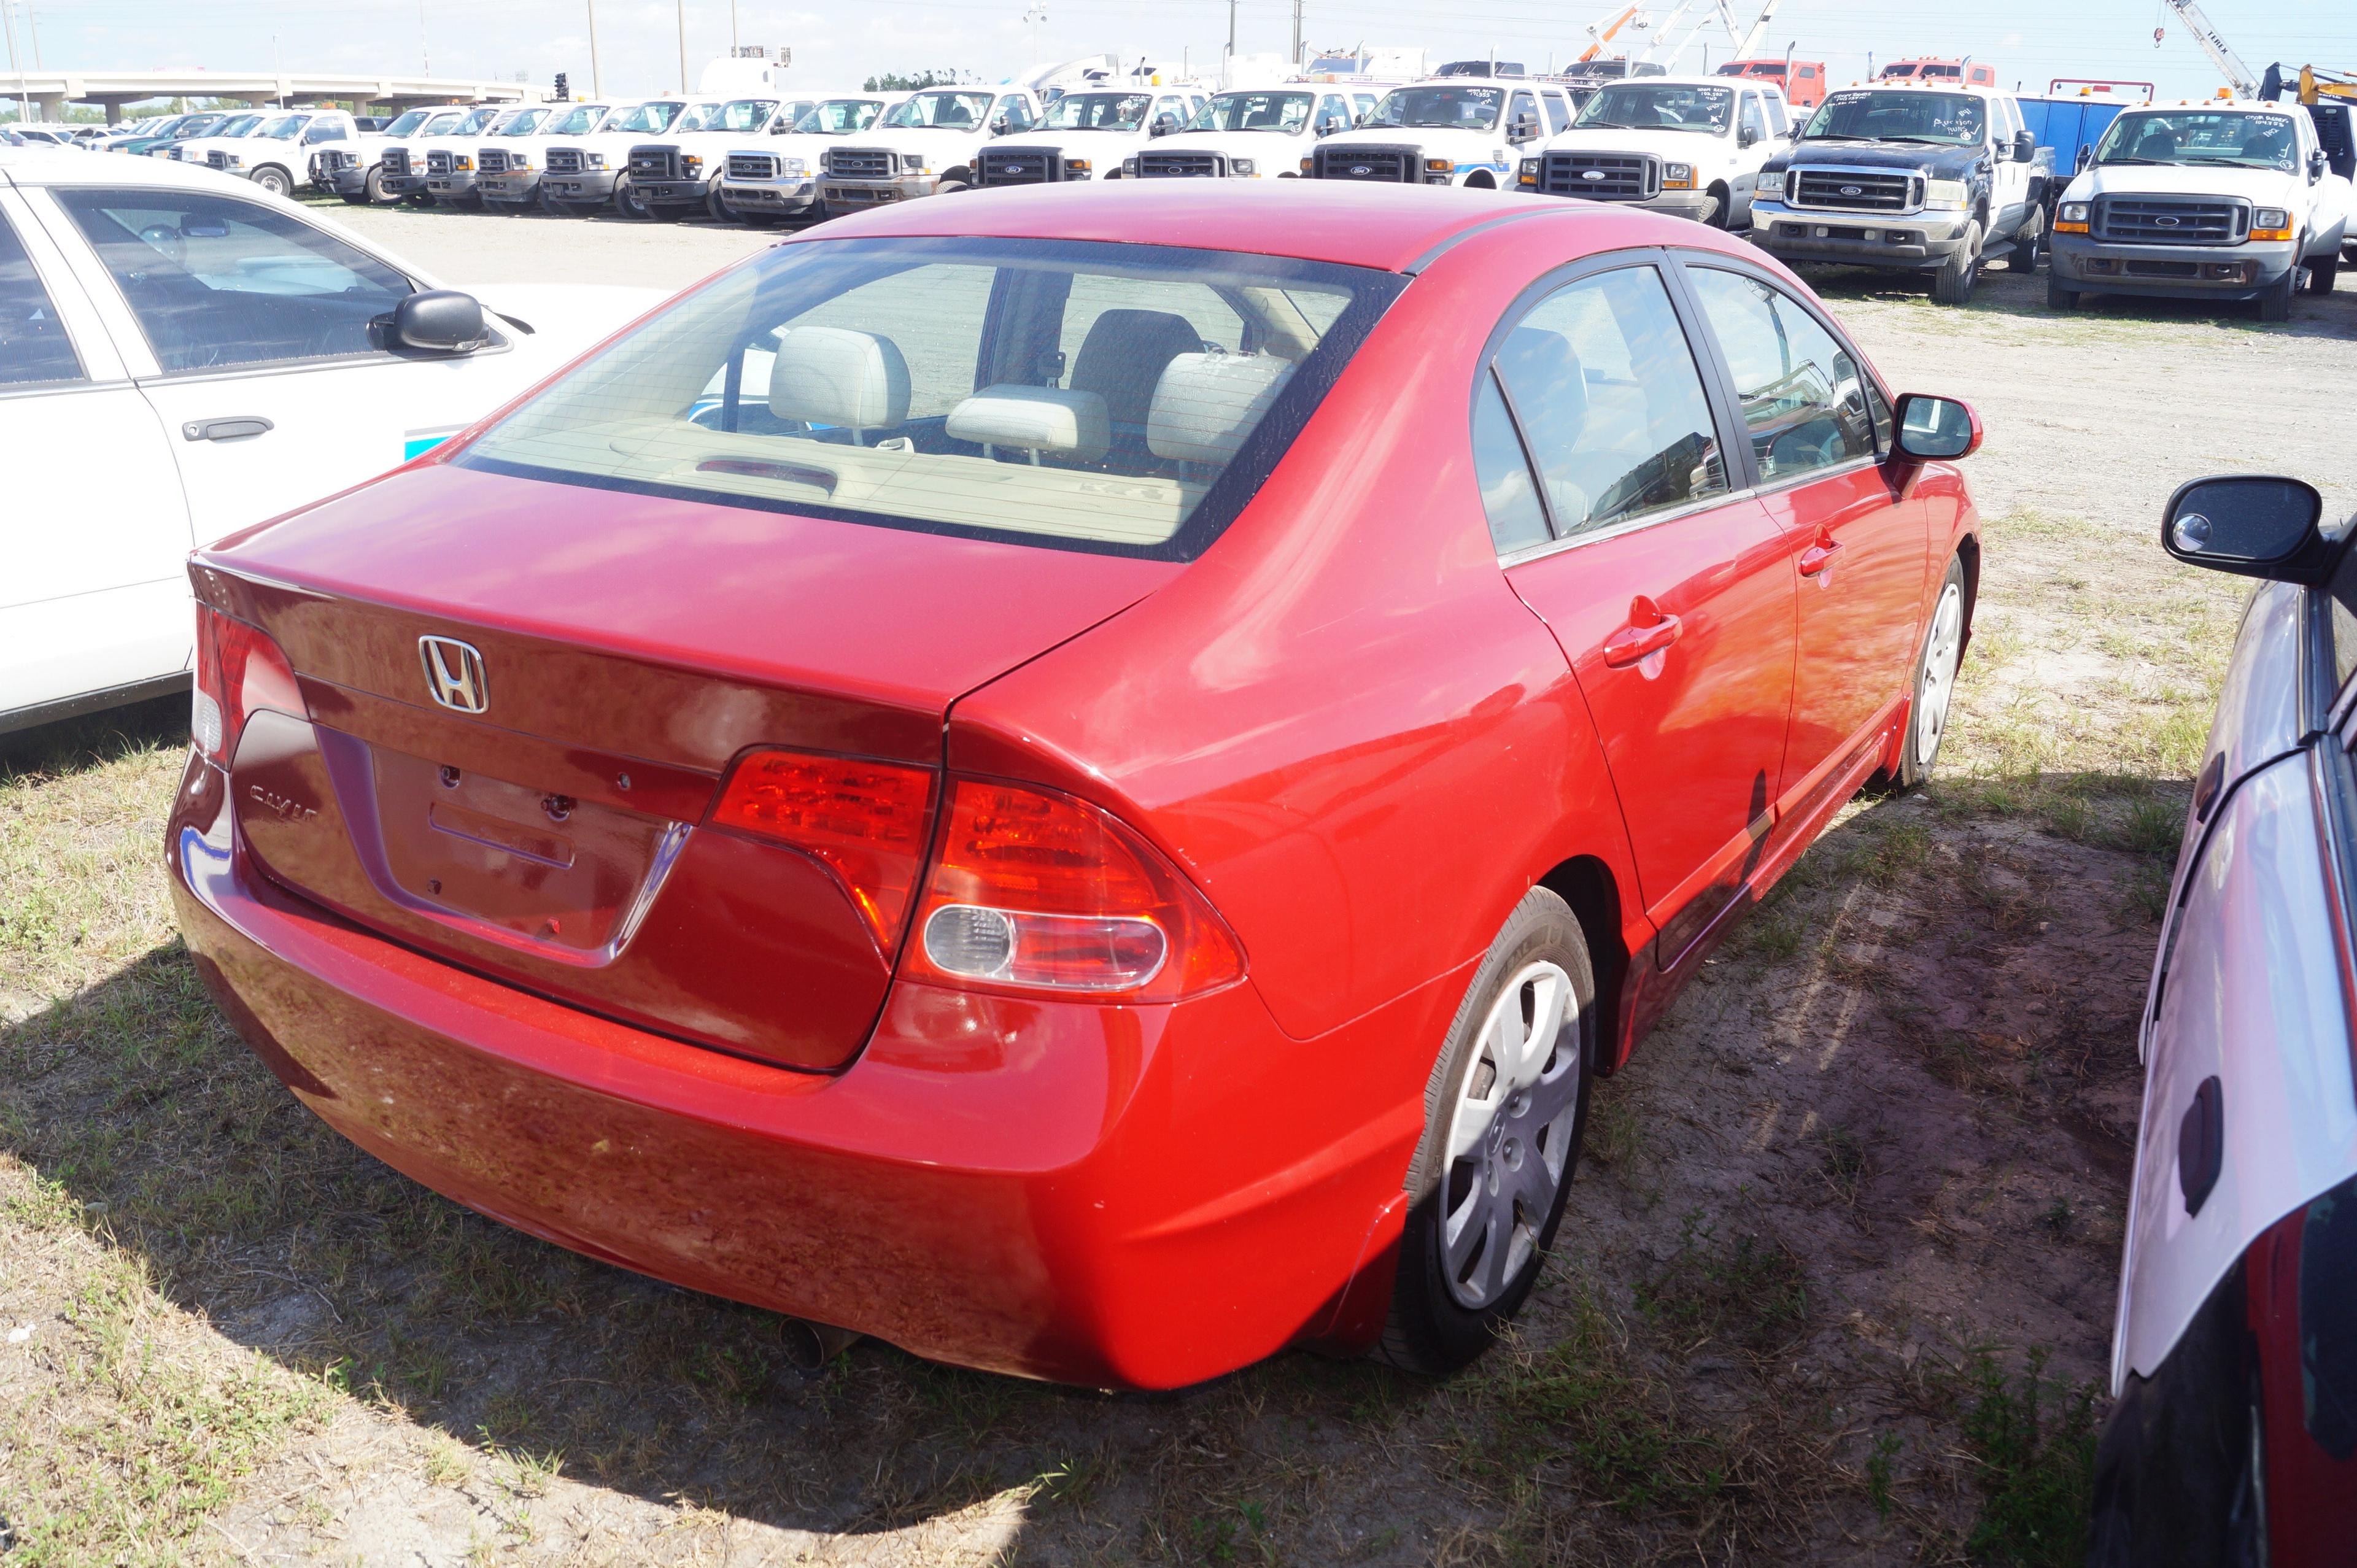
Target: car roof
{"x":1344,"y":222}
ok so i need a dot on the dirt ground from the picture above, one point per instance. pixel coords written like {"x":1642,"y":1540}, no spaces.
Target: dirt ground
{"x":1835,"y":1283}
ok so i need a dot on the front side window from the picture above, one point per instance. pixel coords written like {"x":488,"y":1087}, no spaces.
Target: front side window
{"x":1604,"y":390}
{"x":1630,"y":106}
{"x":1753,"y":124}
{"x":1126,"y":399}
{"x":34,"y":347}
{"x":1333,"y":113}
{"x":1017,"y":112}
{"x":2192,"y":137}
{"x":218,"y":281}
{"x":1558,"y":113}
{"x":286,"y":129}
{"x":1282,"y":112}
{"x":646,"y":119}
{"x":940,"y":112}
{"x":1803,"y":397}
{"x":475,"y":124}
{"x":1883,"y":115}
{"x":1776,"y":123}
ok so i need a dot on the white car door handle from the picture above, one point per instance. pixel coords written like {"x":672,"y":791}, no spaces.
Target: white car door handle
{"x":226,"y":429}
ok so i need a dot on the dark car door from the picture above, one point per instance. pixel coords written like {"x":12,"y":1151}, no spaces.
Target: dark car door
{"x":1603,"y":467}
{"x":1818,"y":428}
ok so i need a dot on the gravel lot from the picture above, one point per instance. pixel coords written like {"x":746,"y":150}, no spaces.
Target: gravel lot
{"x":1835,"y":1284}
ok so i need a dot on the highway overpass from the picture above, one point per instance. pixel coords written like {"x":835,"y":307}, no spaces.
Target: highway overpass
{"x":50,"y":90}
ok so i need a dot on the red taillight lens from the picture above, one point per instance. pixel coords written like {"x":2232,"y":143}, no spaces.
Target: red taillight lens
{"x":862,"y":820}
{"x":240,"y":671}
{"x":1034,"y":890}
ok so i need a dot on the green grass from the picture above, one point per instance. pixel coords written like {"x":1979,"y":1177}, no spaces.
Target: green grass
{"x":2033,"y":1442}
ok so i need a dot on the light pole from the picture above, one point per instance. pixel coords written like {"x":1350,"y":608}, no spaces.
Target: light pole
{"x":596,"y":83}
{"x":1231,"y":43}
{"x":24,"y":99}
{"x":425,"y":58}
{"x":1297,"y":61}
{"x":34,"y":22}
{"x":679,"y":7}
{"x":1035,"y":19}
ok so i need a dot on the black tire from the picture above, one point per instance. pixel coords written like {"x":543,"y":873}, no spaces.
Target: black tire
{"x":372,"y":188}
{"x":2323,"y":273}
{"x":950,"y":187}
{"x":2024,"y":259}
{"x":716,"y":210}
{"x":1429,"y":1330}
{"x":1721,"y":207}
{"x":556,"y":209}
{"x":274,"y":180}
{"x":1928,"y":710}
{"x":2058,"y":296}
{"x":419,"y":198}
{"x":358,"y":199}
{"x":628,"y":203}
{"x":1952,"y":284}
{"x":2275,"y":304}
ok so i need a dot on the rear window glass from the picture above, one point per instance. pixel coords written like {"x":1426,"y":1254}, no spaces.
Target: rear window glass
{"x":1124,"y":399}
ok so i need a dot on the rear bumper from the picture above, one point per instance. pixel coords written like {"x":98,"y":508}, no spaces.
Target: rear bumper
{"x":1112,"y":1197}
{"x":2169,"y":272}
{"x":1916,"y":242}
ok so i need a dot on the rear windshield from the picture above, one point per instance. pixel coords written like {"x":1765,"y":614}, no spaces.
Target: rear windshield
{"x":1123,"y":399}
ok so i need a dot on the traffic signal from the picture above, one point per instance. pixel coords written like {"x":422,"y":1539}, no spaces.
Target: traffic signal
{"x":561,"y":96}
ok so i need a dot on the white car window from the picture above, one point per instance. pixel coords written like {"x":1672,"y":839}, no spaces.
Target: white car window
{"x":1778,"y":123}
{"x":34,"y":347}
{"x":216,"y":281}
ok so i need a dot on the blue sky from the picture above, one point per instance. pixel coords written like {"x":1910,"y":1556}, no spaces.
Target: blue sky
{"x":2029,"y":40}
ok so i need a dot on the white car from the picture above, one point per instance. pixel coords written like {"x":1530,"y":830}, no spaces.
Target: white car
{"x":1459,"y":130}
{"x":925,"y":145}
{"x":183,"y":355}
{"x":1689,"y":146}
{"x":777,"y":176}
{"x":1086,"y":135}
{"x":1256,"y":134}
{"x":2221,"y":201}
{"x":508,"y":167}
{"x":681,"y":173}
{"x":587,"y":173}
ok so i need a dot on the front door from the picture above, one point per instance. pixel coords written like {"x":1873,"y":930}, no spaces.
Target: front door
{"x":1605,"y":476}
{"x":1859,"y":543}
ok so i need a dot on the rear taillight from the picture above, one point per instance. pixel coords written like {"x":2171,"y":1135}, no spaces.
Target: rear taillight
{"x":240,"y":671}
{"x":862,"y":820}
{"x":1037,"y":891}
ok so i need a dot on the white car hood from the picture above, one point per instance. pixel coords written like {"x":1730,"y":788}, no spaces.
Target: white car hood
{"x":2261,"y":187}
{"x":1670,"y":146}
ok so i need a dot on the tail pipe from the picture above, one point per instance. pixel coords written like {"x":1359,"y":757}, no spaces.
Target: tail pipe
{"x":808,"y":1346}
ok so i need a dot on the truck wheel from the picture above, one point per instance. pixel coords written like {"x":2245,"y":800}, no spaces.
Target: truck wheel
{"x":2024,"y":259}
{"x":358,"y":199}
{"x":274,"y":180}
{"x":628,"y":203}
{"x":950,"y":187}
{"x":419,"y":198}
{"x":719,"y":211}
{"x":372,"y":188}
{"x":2057,"y":296}
{"x":2322,"y":272}
{"x":1716,"y":216}
{"x":1952,"y":284}
{"x":2275,"y":304}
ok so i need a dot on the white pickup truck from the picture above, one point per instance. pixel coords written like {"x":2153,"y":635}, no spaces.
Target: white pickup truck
{"x":452,"y":170}
{"x":1689,"y":145}
{"x":777,"y":176}
{"x":681,"y":174}
{"x":587,"y":173}
{"x":273,"y":150}
{"x":2224,"y":200}
{"x":508,"y":167}
{"x":404,"y":160}
{"x":1468,"y":131}
{"x":184,"y":355}
{"x":1086,"y":135}
{"x":925,"y":145}
{"x":355,"y":171}
{"x":1261,"y":133}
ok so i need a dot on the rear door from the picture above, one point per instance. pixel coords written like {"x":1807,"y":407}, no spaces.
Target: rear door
{"x":1859,"y":545}
{"x":1603,"y":467}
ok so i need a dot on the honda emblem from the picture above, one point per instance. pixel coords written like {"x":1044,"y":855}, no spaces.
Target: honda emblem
{"x":454,"y":674}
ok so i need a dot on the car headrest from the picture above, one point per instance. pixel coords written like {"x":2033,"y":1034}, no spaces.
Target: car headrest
{"x":1036,"y":419}
{"x":1205,"y":404}
{"x":832,"y":375}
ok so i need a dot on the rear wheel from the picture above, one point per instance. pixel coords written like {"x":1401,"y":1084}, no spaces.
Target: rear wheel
{"x":1935,"y":681}
{"x":1503,"y":1113}
{"x":274,"y":180}
{"x":1952,"y":284}
{"x":2275,"y":304}
{"x":2323,"y":272}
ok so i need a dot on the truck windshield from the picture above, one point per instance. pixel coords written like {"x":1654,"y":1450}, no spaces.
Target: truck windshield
{"x":1124,"y":399}
{"x":742,"y":115}
{"x":1654,"y":107}
{"x":1440,"y":108}
{"x":526,"y":124}
{"x":837,"y":117}
{"x":941,"y":111}
{"x":196,"y":125}
{"x":285,"y":128}
{"x":1098,"y":112}
{"x":406,"y":124}
{"x":646,"y":118}
{"x":441,"y":126}
{"x":1950,"y":119}
{"x":241,"y":126}
{"x":1284,"y":112}
{"x":475,"y":124}
{"x":577,"y":121}
{"x":2191,"y":136}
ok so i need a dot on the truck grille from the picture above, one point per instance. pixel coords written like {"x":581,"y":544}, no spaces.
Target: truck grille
{"x":1181,"y":166}
{"x":1849,"y":190}
{"x":396,"y":161}
{"x":437,"y":163}
{"x":652,"y":163}
{"x":752,"y":166}
{"x":2170,"y":220}
{"x":1601,"y":176}
{"x":565,"y":160}
{"x":491,"y":162}
{"x":858,"y":162}
{"x":1021,"y":165}
{"x":216,"y":158}
{"x":330,"y":162}
{"x":1384,"y":166}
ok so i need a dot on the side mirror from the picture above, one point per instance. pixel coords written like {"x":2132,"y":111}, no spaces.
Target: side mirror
{"x":1525,"y":129}
{"x":2087,"y":156}
{"x":1937,"y":428}
{"x":1747,"y":136}
{"x":2315,"y":166}
{"x":1001,"y":125}
{"x":436,"y":321}
{"x":2249,"y":526}
{"x":1164,"y":124}
{"x":2025,"y":147}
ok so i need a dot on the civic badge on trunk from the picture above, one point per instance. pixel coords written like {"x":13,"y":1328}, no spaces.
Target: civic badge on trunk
{"x":454,"y":674}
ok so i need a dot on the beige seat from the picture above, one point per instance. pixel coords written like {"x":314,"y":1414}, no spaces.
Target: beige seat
{"x":833,"y":376}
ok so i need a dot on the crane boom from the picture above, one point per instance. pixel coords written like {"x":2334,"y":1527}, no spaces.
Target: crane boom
{"x":1672,"y":35}
{"x":2222,"y":54}
{"x":1749,"y":45}
{"x":1605,"y":36}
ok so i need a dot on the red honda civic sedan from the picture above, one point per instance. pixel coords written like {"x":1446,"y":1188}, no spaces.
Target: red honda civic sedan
{"x":1082,"y":779}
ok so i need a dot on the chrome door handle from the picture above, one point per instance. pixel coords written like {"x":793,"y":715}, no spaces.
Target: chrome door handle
{"x":226,"y":429}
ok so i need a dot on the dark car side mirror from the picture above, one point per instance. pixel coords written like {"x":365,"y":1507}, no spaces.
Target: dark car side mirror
{"x":1164,"y":124}
{"x":2250,"y":526}
{"x":1001,"y":125}
{"x":2315,"y":166}
{"x":436,"y":321}
{"x":1936,"y":429}
{"x":2025,"y":147}
{"x":1747,"y":136}
{"x":2087,"y":156}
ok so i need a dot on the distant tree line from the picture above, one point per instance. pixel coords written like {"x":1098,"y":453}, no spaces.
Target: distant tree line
{"x":895,"y":81}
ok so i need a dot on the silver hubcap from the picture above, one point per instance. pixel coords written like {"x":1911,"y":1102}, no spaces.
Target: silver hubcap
{"x":1939,"y":684}
{"x":1509,"y":1134}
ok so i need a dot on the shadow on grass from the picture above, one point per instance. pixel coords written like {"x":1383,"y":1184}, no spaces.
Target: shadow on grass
{"x":74,"y":745}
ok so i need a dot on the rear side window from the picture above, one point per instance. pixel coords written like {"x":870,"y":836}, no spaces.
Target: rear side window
{"x":1128,"y":399}
{"x":34,"y":347}
{"x":2340,"y":597}
{"x":1603,"y":385}
{"x":1803,"y":396}
{"x":218,"y":281}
